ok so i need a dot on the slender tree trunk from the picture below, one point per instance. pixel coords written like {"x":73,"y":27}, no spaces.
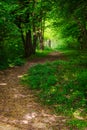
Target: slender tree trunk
{"x":41,"y":35}
{"x":34,"y":43}
{"x":34,"y":38}
{"x":28,"y":44}
{"x":22,"y":36}
{"x":41,"y":41}
{"x":41,"y":28}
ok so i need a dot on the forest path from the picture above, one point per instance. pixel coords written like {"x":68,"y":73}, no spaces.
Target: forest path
{"x":19,"y":109}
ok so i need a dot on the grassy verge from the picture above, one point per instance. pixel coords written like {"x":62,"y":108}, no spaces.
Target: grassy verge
{"x":63,"y":86}
{"x":41,"y":53}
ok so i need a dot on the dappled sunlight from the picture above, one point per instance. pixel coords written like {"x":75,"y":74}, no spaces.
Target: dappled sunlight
{"x":20,"y":76}
{"x":77,"y":114}
{"x":55,"y":54}
{"x":37,"y":119}
{"x":19,"y":96}
{"x":24,"y":122}
{"x":65,"y":77}
{"x":28,"y":117}
{"x":4,"y":126}
{"x":3,"y":84}
{"x":41,"y":119}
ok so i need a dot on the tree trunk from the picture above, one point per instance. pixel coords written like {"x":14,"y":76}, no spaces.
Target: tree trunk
{"x":41,"y":41}
{"x":35,"y":28}
{"x":34,"y":43}
{"x":28,"y":44}
{"x":84,"y":38}
{"x":83,"y":34}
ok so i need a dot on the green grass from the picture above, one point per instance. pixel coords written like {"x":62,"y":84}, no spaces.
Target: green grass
{"x":41,"y":53}
{"x":77,"y":124}
{"x":78,"y":57}
{"x":62,"y":85}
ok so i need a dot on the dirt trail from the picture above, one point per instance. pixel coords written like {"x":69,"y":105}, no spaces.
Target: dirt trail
{"x":19,"y":109}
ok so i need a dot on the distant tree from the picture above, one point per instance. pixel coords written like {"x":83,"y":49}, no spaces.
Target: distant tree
{"x":70,"y":17}
{"x":29,"y":17}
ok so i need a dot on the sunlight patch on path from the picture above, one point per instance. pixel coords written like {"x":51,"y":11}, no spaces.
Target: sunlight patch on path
{"x":42,"y":120}
{"x":30,"y":116}
{"x":4,"y":126}
{"x":20,"y":76}
{"x":3,"y":84}
{"x":19,"y":96}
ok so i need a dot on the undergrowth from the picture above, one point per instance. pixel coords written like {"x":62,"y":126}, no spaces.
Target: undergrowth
{"x":11,"y":63}
{"x":62,"y":85}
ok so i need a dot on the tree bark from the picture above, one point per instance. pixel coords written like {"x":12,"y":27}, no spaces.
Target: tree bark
{"x":34,"y":43}
{"x":83,"y":34}
{"x":28,"y":44}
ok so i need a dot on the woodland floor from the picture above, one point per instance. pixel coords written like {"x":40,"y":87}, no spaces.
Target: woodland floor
{"x":19,"y":107}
